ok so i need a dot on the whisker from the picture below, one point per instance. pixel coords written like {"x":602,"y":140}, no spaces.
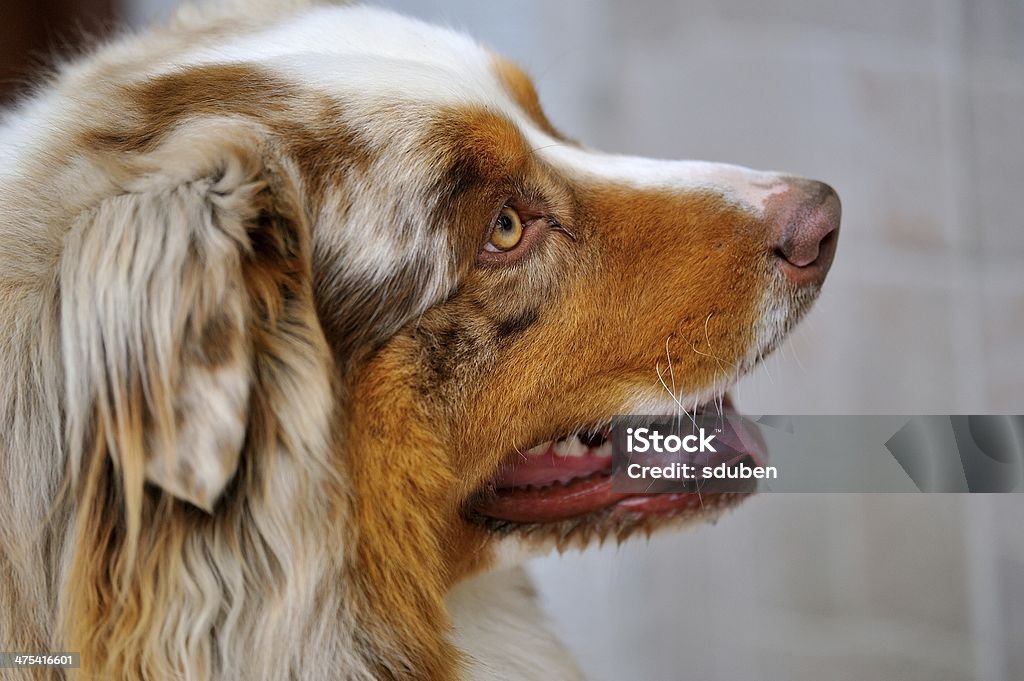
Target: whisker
{"x":542,"y":148}
{"x":668,"y":355}
{"x":718,"y":359}
{"x":796,"y":356}
{"x":700,"y":497}
{"x":764,"y":365}
{"x":675,"y":399}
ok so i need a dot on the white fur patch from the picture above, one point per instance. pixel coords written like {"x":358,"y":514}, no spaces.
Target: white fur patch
{"x":503,"y":632}
{"x":368,"y":57}
{"x":750,"y":189}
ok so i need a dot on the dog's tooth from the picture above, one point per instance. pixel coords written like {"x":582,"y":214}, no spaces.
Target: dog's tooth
{"x":604,"y":450}
{"x":570,"y":447}
{"x":542,"y":448}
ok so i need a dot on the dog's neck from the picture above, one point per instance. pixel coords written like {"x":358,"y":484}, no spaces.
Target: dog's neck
{"x":502,"y":632}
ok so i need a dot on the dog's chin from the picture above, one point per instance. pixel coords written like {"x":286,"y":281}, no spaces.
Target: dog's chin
{"x":560,"y":493}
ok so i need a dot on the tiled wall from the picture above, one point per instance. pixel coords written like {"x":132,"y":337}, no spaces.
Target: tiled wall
{"x":914,"y":111}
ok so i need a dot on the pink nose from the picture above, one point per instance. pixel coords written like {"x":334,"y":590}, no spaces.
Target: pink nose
{"x":805,"y":229}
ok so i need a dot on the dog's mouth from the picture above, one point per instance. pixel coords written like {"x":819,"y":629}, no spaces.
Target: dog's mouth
{"x":570,"y":480}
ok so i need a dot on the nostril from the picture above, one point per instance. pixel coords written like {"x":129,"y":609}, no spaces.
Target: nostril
{"x":802,"y":247}
{"x":805,"y":253}
{"x":805,"y":228}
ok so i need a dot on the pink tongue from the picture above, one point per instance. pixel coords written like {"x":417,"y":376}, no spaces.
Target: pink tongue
{"x":549,"y":468}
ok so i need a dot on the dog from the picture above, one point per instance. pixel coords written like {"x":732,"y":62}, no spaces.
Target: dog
{"x":311,"y":327}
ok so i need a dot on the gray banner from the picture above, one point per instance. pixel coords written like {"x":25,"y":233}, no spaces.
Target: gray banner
{"x":732,"y":453}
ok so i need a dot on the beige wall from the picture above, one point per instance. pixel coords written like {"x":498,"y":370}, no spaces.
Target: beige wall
{"x":914,"y":111}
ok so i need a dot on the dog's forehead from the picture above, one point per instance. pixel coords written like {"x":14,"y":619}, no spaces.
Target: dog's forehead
{"x":370,"y":58}
{"x":370,"y":52}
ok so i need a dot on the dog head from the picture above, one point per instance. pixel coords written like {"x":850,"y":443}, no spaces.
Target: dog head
{"x":324,"y":280}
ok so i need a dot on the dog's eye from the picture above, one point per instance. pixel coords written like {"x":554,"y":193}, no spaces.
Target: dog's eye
{"x":506,"y":233}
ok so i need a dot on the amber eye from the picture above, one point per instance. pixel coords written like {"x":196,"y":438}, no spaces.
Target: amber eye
{"x":507,"y":232}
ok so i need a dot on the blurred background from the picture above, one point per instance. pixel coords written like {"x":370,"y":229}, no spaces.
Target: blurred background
{"x":914,"y":111}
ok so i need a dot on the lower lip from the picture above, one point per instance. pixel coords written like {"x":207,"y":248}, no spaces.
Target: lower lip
{"x":589,"y":495}
{"x":557,"y":502}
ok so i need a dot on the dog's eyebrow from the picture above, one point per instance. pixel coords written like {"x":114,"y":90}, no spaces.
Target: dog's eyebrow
{"x":477,"y":148}
{"x":478,"y":143}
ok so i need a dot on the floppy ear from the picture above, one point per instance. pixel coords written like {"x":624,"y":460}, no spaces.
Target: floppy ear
{"x":181,"y":296}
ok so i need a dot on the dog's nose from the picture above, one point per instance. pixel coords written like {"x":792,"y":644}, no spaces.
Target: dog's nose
{"x":805,"y":227}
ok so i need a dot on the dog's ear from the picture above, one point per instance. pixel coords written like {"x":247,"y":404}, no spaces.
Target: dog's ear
{"x":187,"y":308}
